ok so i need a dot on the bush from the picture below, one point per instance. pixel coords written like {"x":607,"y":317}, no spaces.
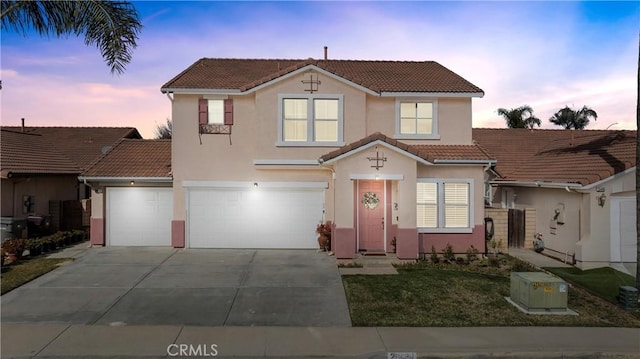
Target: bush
{"x":448,"y":254}
{"x":472,"y":254}
{"x":34,"y":246}
{"x":434,"y":255}
{"x":14,"y":246}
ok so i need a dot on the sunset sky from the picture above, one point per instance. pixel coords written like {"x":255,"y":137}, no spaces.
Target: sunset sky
{"x":544,"y":54}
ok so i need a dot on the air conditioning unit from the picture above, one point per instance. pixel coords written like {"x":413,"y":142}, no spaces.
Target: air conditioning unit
{"x":539,"y":291}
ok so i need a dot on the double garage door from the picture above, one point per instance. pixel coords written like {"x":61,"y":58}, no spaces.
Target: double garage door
{"x":254,"y":217}
{"x":216,"y":218}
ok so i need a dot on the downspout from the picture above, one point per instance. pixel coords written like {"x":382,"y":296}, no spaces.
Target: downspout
{"x":333,"y":182}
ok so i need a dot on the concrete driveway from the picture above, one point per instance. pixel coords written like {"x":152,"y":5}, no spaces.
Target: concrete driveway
{"x":166,"y":286}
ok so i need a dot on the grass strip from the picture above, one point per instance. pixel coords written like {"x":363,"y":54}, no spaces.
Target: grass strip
{"x":15,"y":275}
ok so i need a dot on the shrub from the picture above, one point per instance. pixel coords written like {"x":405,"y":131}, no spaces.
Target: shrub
{"x":14,"y":246}
{"x":34,"y":246}
{"x":448,"y":254}
{"x":461,"y":261}
{"x":434,"y":255}
{"x":472,"y":254}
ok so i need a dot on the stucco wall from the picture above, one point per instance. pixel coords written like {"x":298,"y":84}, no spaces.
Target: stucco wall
{"x":42,"y":188}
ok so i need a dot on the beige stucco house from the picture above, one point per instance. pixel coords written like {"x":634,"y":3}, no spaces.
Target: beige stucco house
{"x":263,"y":151}
{"x":580,"y":185}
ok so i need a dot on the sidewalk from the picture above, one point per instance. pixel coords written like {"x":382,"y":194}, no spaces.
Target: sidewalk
{"x":51,"y":340}
{"x":537,"y":259}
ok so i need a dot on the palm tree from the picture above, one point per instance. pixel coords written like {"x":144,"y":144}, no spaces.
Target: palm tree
{"x":570,"y":118}
{"x":521,"y":117}
{"x":163,"y":131}
{"x":112,"y":26}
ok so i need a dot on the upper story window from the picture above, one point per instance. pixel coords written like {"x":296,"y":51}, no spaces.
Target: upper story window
{"x":444,"y":205}
{"x":416,"y":119}
{"x":215,"y":112}
{"x":310,"y":120}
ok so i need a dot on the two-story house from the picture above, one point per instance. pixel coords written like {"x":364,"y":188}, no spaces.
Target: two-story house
{"x":264,"y":150}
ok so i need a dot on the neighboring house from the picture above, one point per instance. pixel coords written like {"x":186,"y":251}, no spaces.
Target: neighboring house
{"x":265,"y":150}
{"x":39,"y":167}
{"x":581,"y":185}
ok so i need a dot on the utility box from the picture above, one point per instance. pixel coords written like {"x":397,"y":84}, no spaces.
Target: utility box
{"x":539,"y":291}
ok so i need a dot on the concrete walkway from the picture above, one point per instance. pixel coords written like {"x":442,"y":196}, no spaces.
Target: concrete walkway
{"x":537,"y":259}
{"x":48,"y":341}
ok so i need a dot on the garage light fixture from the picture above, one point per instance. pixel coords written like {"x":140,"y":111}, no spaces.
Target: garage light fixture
{"x":255,"y":184}
{"x":132,"y":182}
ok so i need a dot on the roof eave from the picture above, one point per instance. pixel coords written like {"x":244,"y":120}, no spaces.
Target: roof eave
{"x":432,"y":94}
{"x":123,"y":179}
{"x":464,"y":162}
{"x":541,"y":184}
{"x":199,"y":91}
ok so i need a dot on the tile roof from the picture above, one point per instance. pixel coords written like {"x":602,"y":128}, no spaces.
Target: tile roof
{"x":430,"y":153}
{"x":80,"y":144}
{"x":377,"y":76}
{"x":28,"y":153}
{"x":134,"y":158}
{"x":559,"y":156}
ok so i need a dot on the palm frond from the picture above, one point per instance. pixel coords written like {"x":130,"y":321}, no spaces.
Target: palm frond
{"x":113,"y":26}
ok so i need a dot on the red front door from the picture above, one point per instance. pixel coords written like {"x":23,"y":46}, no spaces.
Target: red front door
{"x":371,"y":215}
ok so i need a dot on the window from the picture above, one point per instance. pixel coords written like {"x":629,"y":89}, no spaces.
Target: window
{"x":416,"y":119}
{"x":310,"y":120}
{"x":215,"y":115}
{"x":215,"y":112}
{"x":444,"y":205}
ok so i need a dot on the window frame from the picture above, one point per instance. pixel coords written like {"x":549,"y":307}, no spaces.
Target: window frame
{"x":310,"y":142}
{"x":434,"y":135}
{"x":441,"y":206}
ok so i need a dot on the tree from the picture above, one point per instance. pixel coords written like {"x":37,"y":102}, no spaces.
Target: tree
{"x":521,"y":117}
{"x":113,"y":26}
{"x":163,"y":131}
{"x":570,"y":118}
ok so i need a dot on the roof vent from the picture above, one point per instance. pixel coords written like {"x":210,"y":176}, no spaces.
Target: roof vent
{"x":106,"y":149}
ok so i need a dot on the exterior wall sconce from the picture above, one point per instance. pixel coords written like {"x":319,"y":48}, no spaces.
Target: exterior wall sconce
{"x":255,"y":184}
{"x":132,"y":183}
{"x":602,"y":199}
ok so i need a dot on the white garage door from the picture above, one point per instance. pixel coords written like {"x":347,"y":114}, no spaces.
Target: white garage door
{"x":254,"y":217}
{"x":139,"y":216}
{"x":623,"y":229}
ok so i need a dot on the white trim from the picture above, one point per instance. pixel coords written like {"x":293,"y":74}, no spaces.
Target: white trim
{"x":251,"y":184}
{"x":280,"y":142}
{"x":200,"y":91}
{"x":124,"y":179}
{"x":537,"y":184}
{"x":441,"y":205}
{"x":603,"y":181}
{"x":382,"y":143}
{"x":434,"y":135}
{"x":464,"y":162}
{"x":432,"y":94}
{"x":373,"y":176}
{"x":286,"y":163}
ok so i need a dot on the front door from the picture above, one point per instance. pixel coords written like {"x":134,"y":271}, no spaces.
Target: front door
{"x":371,"y":215}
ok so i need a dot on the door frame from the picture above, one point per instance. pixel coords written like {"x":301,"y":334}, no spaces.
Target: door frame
{"x":384,"y":211}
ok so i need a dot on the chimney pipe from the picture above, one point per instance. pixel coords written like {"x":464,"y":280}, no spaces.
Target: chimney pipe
{"x":326,"y":52}
{"x":23,"y":124}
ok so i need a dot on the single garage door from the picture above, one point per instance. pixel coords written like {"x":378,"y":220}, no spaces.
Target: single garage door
{"x":254,"y":217}
{"x":139,"y":216}
{"x":623,"y":229}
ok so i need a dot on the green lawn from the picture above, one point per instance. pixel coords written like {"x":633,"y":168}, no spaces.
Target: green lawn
{"x":26,"y":270}
{"x":424,"y":296}
{"x":602,"y":281}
